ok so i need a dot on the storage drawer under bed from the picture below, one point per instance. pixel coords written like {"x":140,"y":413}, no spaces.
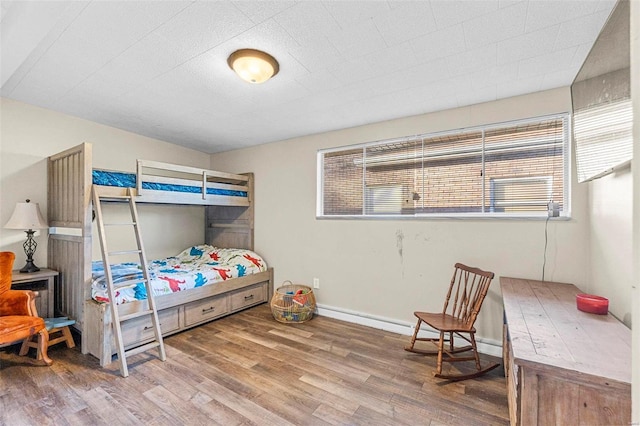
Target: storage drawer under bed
{"x":140,"y":329}
{"x":248,"y":297}
{"x":205,"y":310}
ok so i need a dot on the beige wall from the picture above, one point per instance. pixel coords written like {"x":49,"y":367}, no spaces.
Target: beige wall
{"x":614,"y":227}
{"x":386,"y":269}
{"x":635,"y":294}
{"x":610,"y":224}
{"x":28,"y":135}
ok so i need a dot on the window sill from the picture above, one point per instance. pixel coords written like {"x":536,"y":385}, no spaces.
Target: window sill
{"x":481,"y":217}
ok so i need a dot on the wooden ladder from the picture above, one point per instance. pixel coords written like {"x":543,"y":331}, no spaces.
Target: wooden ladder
{"x":150,"y":309}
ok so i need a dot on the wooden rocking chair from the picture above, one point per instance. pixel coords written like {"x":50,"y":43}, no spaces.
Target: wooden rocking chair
{"x":467,"y":291}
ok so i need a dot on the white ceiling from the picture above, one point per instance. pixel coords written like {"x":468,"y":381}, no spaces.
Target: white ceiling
{"x":158,"y":68}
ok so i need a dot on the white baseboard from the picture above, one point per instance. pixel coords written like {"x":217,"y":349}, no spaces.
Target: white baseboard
{"x":485,"y":346}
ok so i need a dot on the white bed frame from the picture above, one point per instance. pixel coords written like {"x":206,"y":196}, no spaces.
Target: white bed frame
{"x":228,"y":223}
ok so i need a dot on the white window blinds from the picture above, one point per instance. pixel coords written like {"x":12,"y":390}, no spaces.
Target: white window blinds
{"x":513,"y":169}
{"x":603,"y":138}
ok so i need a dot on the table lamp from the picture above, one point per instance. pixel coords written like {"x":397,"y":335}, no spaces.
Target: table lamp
{"x":27,"y":216}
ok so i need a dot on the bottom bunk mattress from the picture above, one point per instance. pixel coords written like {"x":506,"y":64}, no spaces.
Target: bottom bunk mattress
{"x":196,"y":266}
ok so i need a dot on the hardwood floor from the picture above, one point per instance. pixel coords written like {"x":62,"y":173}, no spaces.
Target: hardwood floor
{"x":249,"y":369}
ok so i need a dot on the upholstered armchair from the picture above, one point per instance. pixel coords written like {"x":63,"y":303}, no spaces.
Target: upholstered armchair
{"x":18,"y":317}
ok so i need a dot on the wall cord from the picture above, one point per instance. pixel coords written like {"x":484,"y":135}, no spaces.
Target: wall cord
{"x":544,"y":257}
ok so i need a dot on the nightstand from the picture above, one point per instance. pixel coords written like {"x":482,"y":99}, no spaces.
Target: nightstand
{"x":42,"y":283}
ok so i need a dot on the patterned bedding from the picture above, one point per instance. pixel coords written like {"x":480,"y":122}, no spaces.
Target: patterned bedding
{"x":194,"y":267}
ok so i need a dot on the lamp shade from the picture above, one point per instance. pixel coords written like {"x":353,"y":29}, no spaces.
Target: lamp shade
{"x":253,"y":66}
{"x":26,"y":216}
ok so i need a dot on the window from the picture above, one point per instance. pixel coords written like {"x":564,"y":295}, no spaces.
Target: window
{"x":511,"y":169}
{"x":604,"y":138}
{"x":520,"y":194}
{"x":384,"y":199}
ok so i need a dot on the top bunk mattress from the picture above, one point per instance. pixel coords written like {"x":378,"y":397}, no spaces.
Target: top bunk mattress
{"x":129,"y":180}
{"x":164,"y":183}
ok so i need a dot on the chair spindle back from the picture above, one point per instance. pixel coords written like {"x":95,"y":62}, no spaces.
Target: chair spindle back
{"x":468,"y":287}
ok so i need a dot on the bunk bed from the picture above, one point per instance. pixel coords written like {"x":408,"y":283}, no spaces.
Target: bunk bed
{"x":228,"y":201}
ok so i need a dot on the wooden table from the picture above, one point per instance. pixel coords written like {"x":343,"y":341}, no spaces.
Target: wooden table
{"x":42,"y":283}
{"x":563,"y":366}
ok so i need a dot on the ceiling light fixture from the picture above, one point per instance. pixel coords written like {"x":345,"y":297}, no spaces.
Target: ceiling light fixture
{"x":253,"y":66}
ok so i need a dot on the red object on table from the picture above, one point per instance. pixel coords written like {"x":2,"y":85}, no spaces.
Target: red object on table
{"x":592,"y":304}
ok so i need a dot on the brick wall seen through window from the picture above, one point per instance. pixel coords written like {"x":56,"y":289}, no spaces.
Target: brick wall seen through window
{"x":512,"y":169}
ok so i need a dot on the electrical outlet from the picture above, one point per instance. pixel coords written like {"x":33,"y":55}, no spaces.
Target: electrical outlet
{"x":316,"y":283}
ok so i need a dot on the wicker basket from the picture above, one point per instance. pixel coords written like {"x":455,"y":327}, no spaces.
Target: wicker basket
{"x":293,"y":303}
